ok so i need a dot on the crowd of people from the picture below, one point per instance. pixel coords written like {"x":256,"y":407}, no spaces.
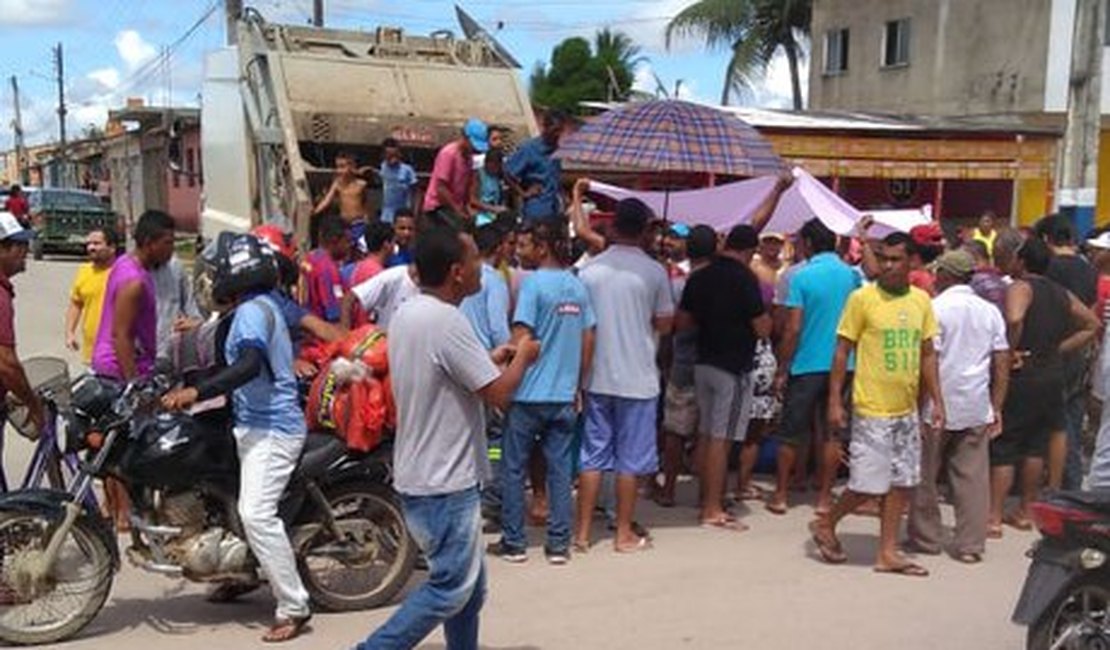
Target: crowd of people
{"x":576,"y":366}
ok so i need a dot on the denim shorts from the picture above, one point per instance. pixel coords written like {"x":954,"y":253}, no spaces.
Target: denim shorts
{"x":620,"y":435}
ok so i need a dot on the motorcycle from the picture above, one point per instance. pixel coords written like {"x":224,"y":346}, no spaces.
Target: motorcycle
{"x":1066,"y":598}
{"x":59,"y":555}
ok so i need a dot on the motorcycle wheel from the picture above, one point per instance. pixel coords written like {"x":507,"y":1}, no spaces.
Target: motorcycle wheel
{"x":1078,"y":619}
{"x":73,"y":591}
{"x":374,"y":561}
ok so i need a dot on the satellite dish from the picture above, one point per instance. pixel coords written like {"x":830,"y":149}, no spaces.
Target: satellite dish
{"x":476,"y":32}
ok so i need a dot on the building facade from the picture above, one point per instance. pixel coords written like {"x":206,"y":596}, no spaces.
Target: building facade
{"x":1002,"y":62}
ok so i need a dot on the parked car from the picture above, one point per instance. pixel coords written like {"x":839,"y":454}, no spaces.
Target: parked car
{"x":63,"y":218}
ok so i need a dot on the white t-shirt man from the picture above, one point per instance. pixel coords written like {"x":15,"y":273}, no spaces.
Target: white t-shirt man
{"x":382,"y":294}
{"x":437,"y":366}
{"x":971,"y":331}
{"x":628,"y":290}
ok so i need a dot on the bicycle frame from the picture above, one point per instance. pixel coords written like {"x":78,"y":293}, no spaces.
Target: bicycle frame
{"x":47,"y":452}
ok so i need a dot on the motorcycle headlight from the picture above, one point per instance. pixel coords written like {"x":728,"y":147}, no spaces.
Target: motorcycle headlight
{"x":1091,"y":558}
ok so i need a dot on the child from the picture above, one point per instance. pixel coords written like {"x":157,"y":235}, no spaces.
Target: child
{"x":487,"y":198}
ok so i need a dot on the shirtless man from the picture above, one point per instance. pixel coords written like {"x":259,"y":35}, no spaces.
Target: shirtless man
{"x":352,"y":194}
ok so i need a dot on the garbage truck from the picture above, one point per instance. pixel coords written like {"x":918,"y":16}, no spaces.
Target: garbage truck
{"x":278,"y":106}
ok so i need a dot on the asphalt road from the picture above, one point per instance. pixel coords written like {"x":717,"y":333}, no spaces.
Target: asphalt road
{"x":695,"y":589}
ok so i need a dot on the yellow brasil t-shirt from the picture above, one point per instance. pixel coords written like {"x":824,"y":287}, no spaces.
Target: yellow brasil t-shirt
{"x":888,"y":331}
{"x":88,"y":292}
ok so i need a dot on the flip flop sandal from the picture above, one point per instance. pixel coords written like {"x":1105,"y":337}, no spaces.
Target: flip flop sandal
{"x":776,"y":507}
{"x":1018,"y":522}
{"x":724,"y":523}
{"x":642,"y":544}
{"x":286,"y":629}
{"x":994,"y":531}
{"x":581,"y":548}
{"x":829,"y":549}
{"x":968,"y":558}
{"x":908,"y":569}
{"x":752,"y":493}
{"x":664,"y":502}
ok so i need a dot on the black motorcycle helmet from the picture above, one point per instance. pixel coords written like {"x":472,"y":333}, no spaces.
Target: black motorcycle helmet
{"x":240,"y":264}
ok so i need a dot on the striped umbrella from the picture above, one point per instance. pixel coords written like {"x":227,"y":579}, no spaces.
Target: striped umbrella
{"x":671,"y":136}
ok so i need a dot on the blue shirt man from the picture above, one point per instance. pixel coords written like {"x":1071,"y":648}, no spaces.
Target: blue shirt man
{"x":820,"y":290}
{"x":488,"y":310}
{"x":534,"y":169}
{"x":397,"y":183}
{"x":555,"y":306}
{"x":269,"y":401}
{"x":398,"y":179}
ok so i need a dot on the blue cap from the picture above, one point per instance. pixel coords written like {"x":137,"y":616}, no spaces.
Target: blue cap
{"x":477,"y":133}
{"x":680,"y":230}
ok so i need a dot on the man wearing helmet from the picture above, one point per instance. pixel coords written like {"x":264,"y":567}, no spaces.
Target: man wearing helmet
{"x":269,"y":428}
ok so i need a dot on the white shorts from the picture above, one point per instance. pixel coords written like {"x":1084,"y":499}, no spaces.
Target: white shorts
{"x":885,"y":453}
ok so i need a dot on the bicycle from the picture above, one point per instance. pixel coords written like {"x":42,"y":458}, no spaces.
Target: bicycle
{"x":50,"y":466}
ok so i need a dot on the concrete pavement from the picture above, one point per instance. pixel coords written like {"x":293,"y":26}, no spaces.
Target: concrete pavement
{"x":696,"y":588}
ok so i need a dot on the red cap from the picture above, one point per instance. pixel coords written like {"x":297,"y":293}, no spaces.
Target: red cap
{"x":278,"y":240}
{"x":929,"y":234}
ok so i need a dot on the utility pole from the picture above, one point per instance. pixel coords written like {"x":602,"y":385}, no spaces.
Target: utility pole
{"x":1079,"y":178}
{"x":318,"y":13}
{"x":59,"y":66}
{"x":233,"y":10}
{"x":17,"y":126}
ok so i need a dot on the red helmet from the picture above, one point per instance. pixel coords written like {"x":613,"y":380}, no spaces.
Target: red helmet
{"x":280,"y":241}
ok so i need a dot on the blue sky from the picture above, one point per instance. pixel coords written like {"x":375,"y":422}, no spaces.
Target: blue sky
{"x":113,"y":47}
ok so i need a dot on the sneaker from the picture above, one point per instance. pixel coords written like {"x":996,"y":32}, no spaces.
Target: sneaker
{"x":557,"y":558}
{"x":507,"y":553}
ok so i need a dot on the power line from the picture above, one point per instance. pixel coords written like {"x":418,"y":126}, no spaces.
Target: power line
{"x":153,"y":66}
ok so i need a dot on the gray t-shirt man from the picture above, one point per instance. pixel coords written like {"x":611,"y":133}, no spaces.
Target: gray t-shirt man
{"x":437,"y":366}
{"x":173,"y":290}
{"x":627,"y":289}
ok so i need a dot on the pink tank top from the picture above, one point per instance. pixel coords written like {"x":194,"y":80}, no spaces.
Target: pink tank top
{"x":144,"y":331}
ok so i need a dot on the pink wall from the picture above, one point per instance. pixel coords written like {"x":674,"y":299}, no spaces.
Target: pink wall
{"x":183,"y":190}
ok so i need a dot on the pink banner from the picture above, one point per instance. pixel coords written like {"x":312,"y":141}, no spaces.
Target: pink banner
{"x":725,"y":206}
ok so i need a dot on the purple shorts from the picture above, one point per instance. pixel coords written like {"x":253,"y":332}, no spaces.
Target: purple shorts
{"x":620,"y":435}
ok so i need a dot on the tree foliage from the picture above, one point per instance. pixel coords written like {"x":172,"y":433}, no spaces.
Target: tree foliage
{"x":754,"y":31}
{"x":580,"y":72}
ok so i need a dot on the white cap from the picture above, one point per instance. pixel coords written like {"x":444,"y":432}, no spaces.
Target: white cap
{"x":10,"y":228}
{"x":1102,"y":241}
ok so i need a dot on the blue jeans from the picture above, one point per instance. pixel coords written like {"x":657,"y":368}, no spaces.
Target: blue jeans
{"x":491,"y":489}
{"x":447,"y":528}
{"x":553,"y":425}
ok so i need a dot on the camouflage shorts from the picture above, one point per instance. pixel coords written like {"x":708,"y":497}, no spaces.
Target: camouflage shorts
{"x":885,"y":453}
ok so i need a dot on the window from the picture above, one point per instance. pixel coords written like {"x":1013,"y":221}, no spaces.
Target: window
{"x":836,"y":51}
{"x":896,"y":43}
{"x":191,"y":166}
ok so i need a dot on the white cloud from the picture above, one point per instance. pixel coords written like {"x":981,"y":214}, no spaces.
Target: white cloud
{"x":646,"y":82}
{"x":776,"y":91}
{"x":108,"y":78}
{"x":133,"y":49}
{"x":24,"y":13}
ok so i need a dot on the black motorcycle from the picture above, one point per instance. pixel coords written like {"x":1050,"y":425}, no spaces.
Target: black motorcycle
{"x":1066,"y":597}
{"x":59,"y":555}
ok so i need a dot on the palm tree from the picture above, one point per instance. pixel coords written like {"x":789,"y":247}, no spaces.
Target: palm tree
{"x":618,"y":57}
{"x":754,"y":31}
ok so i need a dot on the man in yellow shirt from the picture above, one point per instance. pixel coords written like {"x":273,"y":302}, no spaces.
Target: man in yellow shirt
{"x":87,"y":294}
{"x":986,"y":233}
{"x":890,"y":326}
